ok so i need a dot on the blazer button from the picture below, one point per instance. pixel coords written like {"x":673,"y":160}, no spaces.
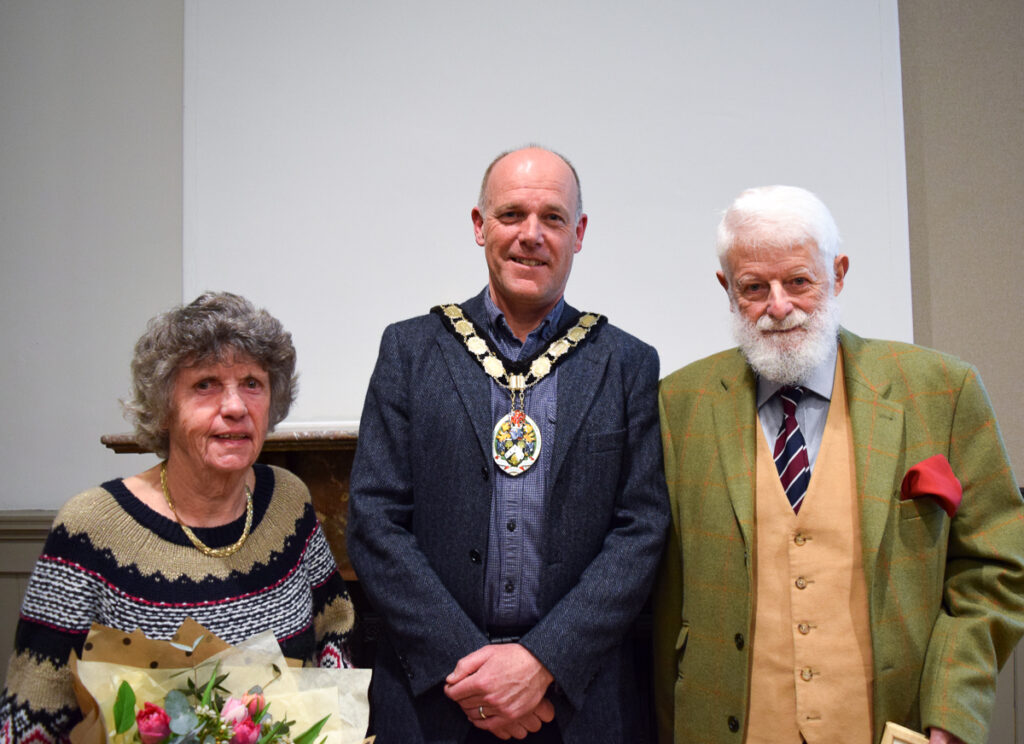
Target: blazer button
{"x":738,"y":638}
{"x":801,"y":582}
{"x":474,"y":556}
{"x":734,"y":724}
{"x":485,"y":472}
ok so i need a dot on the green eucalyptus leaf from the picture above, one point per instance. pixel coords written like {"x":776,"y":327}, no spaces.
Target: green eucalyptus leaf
{"x":183,"y":717}
{"x":177,"y":703}
{"x":124,"y":708}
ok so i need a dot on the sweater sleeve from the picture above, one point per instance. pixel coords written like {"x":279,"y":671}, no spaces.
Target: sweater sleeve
{"x":38,"y":703}
{"x":333,"y":615}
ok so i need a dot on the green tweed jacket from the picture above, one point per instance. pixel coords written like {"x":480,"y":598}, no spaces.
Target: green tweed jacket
{"x":946,"y":596}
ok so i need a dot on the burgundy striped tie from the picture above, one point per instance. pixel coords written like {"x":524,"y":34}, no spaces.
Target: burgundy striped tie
{"x":790,"y":450}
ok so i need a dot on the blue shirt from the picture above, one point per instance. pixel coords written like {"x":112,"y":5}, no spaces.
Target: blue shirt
{"x":811,"y":412}
{"x":516,"y":534}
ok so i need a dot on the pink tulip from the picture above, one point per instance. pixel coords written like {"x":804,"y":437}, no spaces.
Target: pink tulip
{"x":246,"y":732}
{"x":234,"y":711}
{"x":255,"y":703}
{"x":154,"y":724}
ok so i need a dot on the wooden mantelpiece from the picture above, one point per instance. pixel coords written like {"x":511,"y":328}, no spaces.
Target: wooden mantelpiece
{"x":322,"y":458}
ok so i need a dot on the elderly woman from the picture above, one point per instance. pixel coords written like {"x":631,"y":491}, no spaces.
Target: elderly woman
{"x":208,"y":533}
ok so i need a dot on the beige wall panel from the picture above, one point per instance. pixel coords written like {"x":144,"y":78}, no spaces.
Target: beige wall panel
{"x":963,"y":96}
{"x":963,"y":88}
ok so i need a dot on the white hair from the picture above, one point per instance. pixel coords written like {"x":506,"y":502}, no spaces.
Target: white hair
{"x":778,"y":217}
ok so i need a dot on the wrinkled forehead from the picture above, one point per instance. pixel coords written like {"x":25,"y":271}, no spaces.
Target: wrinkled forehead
{"x":774,"y":233}
{"x":764,"y":252}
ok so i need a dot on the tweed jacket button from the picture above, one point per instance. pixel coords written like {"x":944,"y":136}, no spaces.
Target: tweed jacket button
{"x":804,"y":628}
{"x":800,"y":539}
{"x":474,"y":556}
{"x":806,"y":675}
{"x":801,"y":582}
{"x":738,"y":638}
{"x":734,"y":724}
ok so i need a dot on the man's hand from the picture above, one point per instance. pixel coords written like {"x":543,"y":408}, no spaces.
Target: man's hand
{"x":507,"y":683}
{"x":503,"y":728}
{"x":938,"y":736}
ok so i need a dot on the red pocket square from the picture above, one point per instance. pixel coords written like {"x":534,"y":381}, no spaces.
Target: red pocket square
{"x":934,"y":478}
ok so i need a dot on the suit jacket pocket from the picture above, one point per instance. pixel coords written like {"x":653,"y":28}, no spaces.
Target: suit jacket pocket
{"x":922,"y":506}
{"x":608,"y":441}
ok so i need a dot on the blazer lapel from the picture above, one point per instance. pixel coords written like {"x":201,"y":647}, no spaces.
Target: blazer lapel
{"x":735,"y":428}
{"x":471,"y":383}
{"x":579,"y":378}
{"x":877,"y":424}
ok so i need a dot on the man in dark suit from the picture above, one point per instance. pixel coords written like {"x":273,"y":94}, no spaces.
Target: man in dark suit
{"x":507,"y":506}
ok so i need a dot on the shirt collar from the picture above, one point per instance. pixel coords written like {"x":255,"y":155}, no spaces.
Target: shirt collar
{"x":819,"y":381}
{"x":497,"y":325}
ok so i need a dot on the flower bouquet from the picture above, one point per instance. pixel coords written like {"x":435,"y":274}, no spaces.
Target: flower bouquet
{"x":206,"y":692}
{"x":200,"y":713}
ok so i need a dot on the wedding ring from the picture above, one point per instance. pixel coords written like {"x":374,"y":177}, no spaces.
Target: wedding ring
{"x":481,"y":709}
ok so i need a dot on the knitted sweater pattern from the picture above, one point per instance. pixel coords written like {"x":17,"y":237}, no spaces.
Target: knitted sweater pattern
{"x":112,"y":560}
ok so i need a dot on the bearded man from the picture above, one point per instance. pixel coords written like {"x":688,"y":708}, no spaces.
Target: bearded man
{"x":847,"y":544}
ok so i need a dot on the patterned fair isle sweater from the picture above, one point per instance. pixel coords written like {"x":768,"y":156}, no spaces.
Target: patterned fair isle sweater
{"x":111,"y":559}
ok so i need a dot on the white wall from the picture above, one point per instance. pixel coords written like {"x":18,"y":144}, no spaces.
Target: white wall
{"x":90,"y":228}
{"x":333,"y":152}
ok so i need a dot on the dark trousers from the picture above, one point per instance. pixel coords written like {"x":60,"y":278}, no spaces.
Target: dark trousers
{"x":548,"y":734}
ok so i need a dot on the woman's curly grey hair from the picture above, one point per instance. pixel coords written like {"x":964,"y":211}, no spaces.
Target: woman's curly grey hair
{"x":210,"y":328}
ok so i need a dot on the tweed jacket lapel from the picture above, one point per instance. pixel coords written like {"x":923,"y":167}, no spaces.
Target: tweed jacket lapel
{"x":733,"y":412}
{"x":471,"y":383}
{"x":878,"y":432}
{"x":579,"y":378}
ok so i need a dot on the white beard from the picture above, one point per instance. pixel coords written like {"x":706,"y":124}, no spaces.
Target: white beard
{"x":788,"y":358}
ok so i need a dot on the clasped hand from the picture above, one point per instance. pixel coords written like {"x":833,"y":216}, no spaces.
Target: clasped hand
{"x":506,"y":684}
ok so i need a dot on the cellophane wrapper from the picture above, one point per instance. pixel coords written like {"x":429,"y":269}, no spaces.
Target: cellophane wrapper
{"x":300,"y":694}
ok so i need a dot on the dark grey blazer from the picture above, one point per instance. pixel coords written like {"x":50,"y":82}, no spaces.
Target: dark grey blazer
{"x":418,"y":519}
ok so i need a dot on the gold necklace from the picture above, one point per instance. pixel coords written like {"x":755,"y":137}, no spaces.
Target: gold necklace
{"x":516,"y":440}
{"x":200,"y":545}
